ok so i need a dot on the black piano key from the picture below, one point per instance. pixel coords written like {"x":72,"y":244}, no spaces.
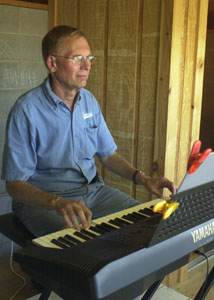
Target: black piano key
{"x":136,"y":216}
{"x":72,"y":239}
{"x":65,"y":241}
{"x":123,"y":221}
{"x":58,"y":243}
{"x":110,"y":227}
{"x":147,"y":211}
{"x":118,"y":222}
{"x":140,"y":216}
{"x":90,"y":234}
{"x":81,"y":235}
{"x":97,"y":230}
{"x":69,"y":241}
{"x":102,"y":227}
{"x":130,"y":217}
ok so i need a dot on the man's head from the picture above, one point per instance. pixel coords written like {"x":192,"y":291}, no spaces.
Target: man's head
{"x":54,"y":38}
{"x":68,"y":57}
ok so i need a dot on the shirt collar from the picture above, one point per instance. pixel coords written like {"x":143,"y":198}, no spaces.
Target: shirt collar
{"x":52,"y":97}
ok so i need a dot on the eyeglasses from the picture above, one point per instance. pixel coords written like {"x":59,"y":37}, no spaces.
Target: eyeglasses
{"x":78,"y":59}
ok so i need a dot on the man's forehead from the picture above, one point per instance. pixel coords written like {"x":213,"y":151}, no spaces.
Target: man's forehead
{"x":74,"y":43}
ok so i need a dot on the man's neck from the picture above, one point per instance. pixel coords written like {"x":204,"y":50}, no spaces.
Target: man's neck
{"x":68,"y":96}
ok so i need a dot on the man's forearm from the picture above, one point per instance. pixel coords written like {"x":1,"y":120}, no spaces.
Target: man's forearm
{"x":28,"y":194}
{"x":119,"y":166}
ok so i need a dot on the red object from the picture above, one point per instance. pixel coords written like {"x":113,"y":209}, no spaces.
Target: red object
{"x":196,"y":158}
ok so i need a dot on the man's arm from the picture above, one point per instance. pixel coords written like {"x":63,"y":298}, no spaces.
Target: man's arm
{"x":30,"y":195}
{"x":123,"y":168}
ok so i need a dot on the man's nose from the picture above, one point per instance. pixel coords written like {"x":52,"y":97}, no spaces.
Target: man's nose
{"x":86,"y":64}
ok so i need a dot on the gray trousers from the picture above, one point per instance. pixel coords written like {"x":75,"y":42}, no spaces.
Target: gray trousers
{"x":101,"y":199}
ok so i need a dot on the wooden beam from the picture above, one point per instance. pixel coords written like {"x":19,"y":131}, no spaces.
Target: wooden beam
{"x":179,"y":100}
{"x":163,"y":87}
{"x":25,"y":4}
{"x":62,"y":12}
{"x":178,"y":123}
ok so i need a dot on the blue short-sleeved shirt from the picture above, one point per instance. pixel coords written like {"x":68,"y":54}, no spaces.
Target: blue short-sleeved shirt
{"x":51,"y":147}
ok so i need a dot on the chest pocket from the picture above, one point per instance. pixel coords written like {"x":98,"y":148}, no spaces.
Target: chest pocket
{"x":90,"y":140}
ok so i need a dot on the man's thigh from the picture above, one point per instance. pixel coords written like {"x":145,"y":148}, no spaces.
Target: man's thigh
{"x":101,"y":199}
{"x":107,"y":200}
{"x":40,"y":221}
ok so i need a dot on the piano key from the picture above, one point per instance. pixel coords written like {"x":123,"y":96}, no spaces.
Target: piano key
{"x":82,"y":235}
{"x":147,"y":211}
{"x":139,"y":216}
{"x":60,"y":244}
{"x":89,"y":233}
{"x":131,"y":218}
{"x":72,"y":239}
{"x":45,"y":241}
{"x":108,"y":226}
{"x":69,"y":241}
{"x":65,"y":241}
{"x":103,"y":227}
{"x":119,"y":222}
{"x":97,"y":230}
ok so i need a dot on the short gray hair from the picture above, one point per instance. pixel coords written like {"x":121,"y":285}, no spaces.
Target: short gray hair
{"x":53,"y":38}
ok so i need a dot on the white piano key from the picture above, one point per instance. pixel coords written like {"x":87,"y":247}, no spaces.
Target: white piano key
{"x":45,"y":241}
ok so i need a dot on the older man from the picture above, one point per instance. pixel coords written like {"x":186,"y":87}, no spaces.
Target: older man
{"x":53,"y":133}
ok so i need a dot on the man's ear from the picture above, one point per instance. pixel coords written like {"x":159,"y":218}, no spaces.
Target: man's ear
{"x":51,"y":63}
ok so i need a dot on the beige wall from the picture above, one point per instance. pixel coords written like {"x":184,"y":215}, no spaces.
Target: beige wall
{"x":21,"y":68}
{"x":21,"y":65}
{"x":124,"y":37}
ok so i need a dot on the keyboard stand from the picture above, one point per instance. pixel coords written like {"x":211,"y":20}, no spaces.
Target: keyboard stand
{"x":153,"y":288}
{"x":202,"y":293}
{"x":45,"y":294}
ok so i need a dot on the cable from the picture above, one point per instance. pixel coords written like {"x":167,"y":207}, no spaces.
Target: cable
{"x":207,"y":274}
{"x":17,"y":274}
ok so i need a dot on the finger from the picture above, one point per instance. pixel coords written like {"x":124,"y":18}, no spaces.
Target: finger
{"x":157,"y":193}
{"x":83,"y":219}
{"x":63,"y":213}
{"x":85,"y":216}
{"x":84,"y":213}
{"x":73,"y":217}
{"x":171,"y":186}
{"x":68,"y":221}
{"x":153,"y":186}
{"x":174,"y":188}
{"x":88,"y":215}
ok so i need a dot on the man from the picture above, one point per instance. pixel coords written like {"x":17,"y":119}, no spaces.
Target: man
{"x":53,"y":133}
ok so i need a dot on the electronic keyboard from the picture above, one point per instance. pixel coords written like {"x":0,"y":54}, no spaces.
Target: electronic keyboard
{"x":122,"y":262}
{"x":70,"y":237}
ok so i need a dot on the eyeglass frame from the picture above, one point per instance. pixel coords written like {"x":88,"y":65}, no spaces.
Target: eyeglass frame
{"x":88,"y":58}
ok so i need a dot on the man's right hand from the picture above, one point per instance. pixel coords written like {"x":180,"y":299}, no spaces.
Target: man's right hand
{"x":70,"y":210}
{"x":30,"y":195}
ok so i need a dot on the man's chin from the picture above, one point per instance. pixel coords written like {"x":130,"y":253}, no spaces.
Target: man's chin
{"x":83,"y":84}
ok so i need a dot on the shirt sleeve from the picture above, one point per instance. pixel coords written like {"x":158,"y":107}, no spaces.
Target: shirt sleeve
{"x":19,"y":157}
{"x":105,"y":142}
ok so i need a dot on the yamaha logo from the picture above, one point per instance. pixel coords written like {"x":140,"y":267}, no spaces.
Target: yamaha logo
{"x":203,"y":232}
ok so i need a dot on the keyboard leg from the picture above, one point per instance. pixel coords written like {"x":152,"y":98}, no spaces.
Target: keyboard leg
{"x":205,"y":286}
{"x":45,"y":294}
{"x":153,"y":288}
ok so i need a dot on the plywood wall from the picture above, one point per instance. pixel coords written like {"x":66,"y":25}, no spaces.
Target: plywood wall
{"x":148,"y":77}
{"x":180,"y":121}
{"x":124,"y":37}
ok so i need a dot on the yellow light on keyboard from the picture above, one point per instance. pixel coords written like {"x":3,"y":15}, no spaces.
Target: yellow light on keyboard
{"x":166,"y":208}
